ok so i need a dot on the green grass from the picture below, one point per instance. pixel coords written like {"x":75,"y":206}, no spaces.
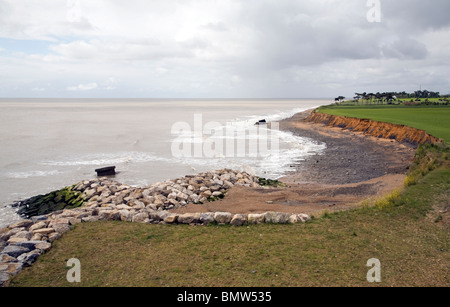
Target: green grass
{"x":433,"y":119}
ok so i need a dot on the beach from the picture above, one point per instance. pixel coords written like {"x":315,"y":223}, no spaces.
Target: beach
{"x":48,"y":144}
{"x":322,"y":168}
{"x":353,"y":168}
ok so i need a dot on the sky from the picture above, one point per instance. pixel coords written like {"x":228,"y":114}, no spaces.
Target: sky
{"x":222,"y":48}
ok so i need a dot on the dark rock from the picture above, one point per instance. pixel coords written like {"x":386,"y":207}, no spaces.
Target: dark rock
{"x":29,"y":258}
{"x":29,"y":245}
{"x":40,"y":205}
{"x":15,"y":251}
{"x":106,"y":171}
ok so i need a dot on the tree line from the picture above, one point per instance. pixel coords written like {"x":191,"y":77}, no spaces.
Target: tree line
{"x":390,"y":97}
{"x":397,"y":95}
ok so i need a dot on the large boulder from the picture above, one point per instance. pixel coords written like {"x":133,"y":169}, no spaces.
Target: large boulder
{"x":256,"y":218}
{"x":15,"y":251}
{"x":223,"y":217}
{"x":189,"y":218}
{"x":238,"y":220}
{"x":141,"y":217}
{"x":207,"y":218}
{"x":276,"y":217}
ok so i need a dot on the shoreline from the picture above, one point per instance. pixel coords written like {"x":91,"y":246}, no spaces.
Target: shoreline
{"x":350,"y":157}
{"x":353,"y":168}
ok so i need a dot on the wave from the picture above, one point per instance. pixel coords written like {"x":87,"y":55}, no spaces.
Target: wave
{"x":112,"y":158}
{"x":24,"y":175}
{"x":271,"y":163}
{"x":268,"y":162}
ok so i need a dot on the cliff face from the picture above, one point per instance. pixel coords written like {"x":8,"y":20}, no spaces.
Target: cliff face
{"x":377,"y":129}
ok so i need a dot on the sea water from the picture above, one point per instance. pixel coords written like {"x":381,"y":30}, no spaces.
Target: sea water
{"x":48,"y":144}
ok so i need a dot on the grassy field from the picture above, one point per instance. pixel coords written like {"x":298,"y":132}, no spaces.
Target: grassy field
{"x":433,"y":119}
{"x":408,"y":231}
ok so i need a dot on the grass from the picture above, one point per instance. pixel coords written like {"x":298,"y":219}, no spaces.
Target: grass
{"x":433,"y":119}
{"x":408,"y":231}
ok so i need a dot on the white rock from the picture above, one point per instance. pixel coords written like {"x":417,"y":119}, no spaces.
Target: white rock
{"x":256,"y":218}
{"x":123,"y":207}
{"x":293,"y":219}
{"x":276,"y":217}
{"x":20,"y":224}
{"x":223,"y":217}
{"x":171,"y":218}
{"x":44,"y":231}
{"x":239,"y":220}
{"x":141,"y":217}
{"x":125,"y":215}
{"x":304,"y":217}
{"x":207,"y":217}
{"x":189,"y":218}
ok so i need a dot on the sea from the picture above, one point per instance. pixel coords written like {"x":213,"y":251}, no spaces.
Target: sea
{"x":48,"y":144}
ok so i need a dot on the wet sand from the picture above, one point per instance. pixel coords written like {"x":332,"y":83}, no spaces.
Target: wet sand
{"x":353,"y":168}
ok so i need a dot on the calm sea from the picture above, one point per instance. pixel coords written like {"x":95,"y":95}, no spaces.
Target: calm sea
{"x":50,"y":144}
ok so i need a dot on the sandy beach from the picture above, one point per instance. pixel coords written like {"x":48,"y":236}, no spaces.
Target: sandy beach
{"x":353,"y":168}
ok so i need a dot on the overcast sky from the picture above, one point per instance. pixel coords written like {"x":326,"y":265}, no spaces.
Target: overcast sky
{"x":222,"y":48}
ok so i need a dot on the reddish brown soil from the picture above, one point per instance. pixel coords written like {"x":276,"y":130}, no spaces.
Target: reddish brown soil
{"x":399,"y":133}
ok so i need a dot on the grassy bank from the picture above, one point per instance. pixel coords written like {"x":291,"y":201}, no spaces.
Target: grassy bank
{"x":407,"y":231}
{"x":433,"y":119}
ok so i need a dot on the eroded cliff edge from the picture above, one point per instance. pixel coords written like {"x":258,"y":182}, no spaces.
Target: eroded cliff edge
{"x":400,"y":133}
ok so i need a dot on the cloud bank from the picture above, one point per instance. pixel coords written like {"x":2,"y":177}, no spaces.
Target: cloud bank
{"x":221,"y":49}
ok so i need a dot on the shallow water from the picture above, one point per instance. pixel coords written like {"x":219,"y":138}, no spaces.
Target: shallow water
{"x":49,"y":144}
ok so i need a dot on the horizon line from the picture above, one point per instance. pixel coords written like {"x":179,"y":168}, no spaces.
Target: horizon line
{"x":169,"y":98}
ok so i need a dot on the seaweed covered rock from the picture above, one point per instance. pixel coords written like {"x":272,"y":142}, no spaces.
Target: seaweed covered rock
{"x":66,"y":198}
{"x":270,"y":183}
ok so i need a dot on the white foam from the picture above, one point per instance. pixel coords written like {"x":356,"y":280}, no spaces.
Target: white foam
{"x":24,"y":175}
{"x":273,"y":164}
{"x":8,"y":216}
{"x":106,"y":159}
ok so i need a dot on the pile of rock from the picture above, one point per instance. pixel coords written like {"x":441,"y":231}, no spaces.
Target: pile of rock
{"x":20,"y":247}
{"x":167,"y":195}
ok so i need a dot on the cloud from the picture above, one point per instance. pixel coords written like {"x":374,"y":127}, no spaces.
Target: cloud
{"x":405,"y":48}
{"x":124,"y":50}
{"x":83,"y":87}
{"x":416,"y":15}
{"x":215,"y":26}
{"x":199,"y":48}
